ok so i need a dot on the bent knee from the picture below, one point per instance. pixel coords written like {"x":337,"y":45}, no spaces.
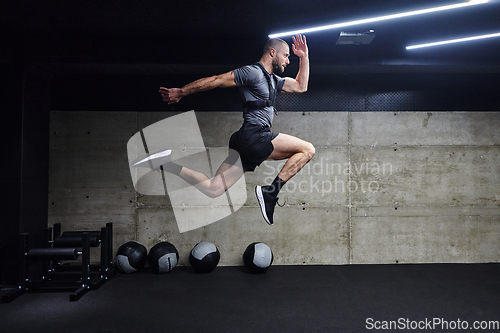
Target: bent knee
{"x":310,"y":150}
{"x":214,"y":194}
{"x":215,"y":191}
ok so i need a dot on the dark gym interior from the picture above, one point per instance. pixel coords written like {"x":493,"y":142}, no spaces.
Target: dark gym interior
{"x":113,"y":56}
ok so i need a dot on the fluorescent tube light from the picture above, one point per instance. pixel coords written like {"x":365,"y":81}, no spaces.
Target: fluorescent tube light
{"x":459,"y":40}
{"x":380,"y":18}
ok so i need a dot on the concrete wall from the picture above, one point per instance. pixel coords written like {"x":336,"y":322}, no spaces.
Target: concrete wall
{"x":384,"y":187}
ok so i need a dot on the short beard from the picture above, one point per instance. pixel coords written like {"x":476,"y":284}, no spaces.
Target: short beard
{"x":277,"y":69}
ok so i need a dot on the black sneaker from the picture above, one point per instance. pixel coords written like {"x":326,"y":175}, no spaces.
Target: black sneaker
{"x":266,"y":202}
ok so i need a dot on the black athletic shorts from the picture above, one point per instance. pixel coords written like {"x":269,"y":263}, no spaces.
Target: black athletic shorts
{"x":253,"y":143}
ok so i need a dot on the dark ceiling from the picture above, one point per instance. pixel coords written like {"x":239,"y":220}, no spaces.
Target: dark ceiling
{"x":200,"y":32}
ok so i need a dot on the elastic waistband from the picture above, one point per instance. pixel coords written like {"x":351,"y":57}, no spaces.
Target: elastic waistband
{"x":259,"y":127}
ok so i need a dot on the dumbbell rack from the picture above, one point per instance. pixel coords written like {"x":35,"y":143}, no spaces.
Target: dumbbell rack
{"x":58,"y":247}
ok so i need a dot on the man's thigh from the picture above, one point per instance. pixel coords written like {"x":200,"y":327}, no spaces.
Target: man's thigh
{"x":286,"y":145}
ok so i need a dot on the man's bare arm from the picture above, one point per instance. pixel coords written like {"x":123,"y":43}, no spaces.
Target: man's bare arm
{"x":301,"y":81}
{"x":173,"y":95}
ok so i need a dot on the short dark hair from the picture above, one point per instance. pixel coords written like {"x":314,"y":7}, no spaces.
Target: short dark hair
{"x":273,"y":43}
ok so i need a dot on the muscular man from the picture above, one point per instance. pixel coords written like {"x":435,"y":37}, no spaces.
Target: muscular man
{"x":254,"y":141}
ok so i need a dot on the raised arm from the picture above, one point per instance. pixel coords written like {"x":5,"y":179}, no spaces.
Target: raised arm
{"x":173,"y":95}
{"x":299,"y":84}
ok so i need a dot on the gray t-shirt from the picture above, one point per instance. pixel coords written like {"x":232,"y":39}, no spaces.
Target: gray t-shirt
{"x":254,"y":86}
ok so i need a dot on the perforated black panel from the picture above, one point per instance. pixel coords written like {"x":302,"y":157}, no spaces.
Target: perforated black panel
{"x":321,"y":100}
{"x":398,"y":92}
{"x":394,"y":101}
{"x":357,"y":92}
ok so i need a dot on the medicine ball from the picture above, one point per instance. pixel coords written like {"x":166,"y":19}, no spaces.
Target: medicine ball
{"x":163,"y":257}
{"x":204,"y":257}
{"x":131,"y":257}
{"x":258,"y":257}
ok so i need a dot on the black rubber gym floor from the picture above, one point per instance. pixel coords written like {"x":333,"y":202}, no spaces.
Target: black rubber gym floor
{"x":356,"y":298}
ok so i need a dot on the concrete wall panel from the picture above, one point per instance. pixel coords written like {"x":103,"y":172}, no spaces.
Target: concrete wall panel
{"x":412,"y":187}
{"x":432,"y":239}
{"x":425,"y":128}
{"x":448,"y":175}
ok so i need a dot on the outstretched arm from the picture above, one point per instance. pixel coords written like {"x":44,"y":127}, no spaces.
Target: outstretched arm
{"x":299,"y":84}
{"x":173,"y":95}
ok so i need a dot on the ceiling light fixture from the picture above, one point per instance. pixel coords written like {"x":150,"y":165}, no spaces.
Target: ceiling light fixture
{"x":380,"y":18}
{"x":459,"y":40}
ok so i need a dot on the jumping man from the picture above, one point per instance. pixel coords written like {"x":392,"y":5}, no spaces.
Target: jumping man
{"x":254,"y":141}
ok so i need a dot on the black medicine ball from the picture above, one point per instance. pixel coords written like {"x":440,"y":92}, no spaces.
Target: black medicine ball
{"x":131,"y":257}
{"x":258,"y":257}
{"x":204,"y":257}
{"x":163,"y":257}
